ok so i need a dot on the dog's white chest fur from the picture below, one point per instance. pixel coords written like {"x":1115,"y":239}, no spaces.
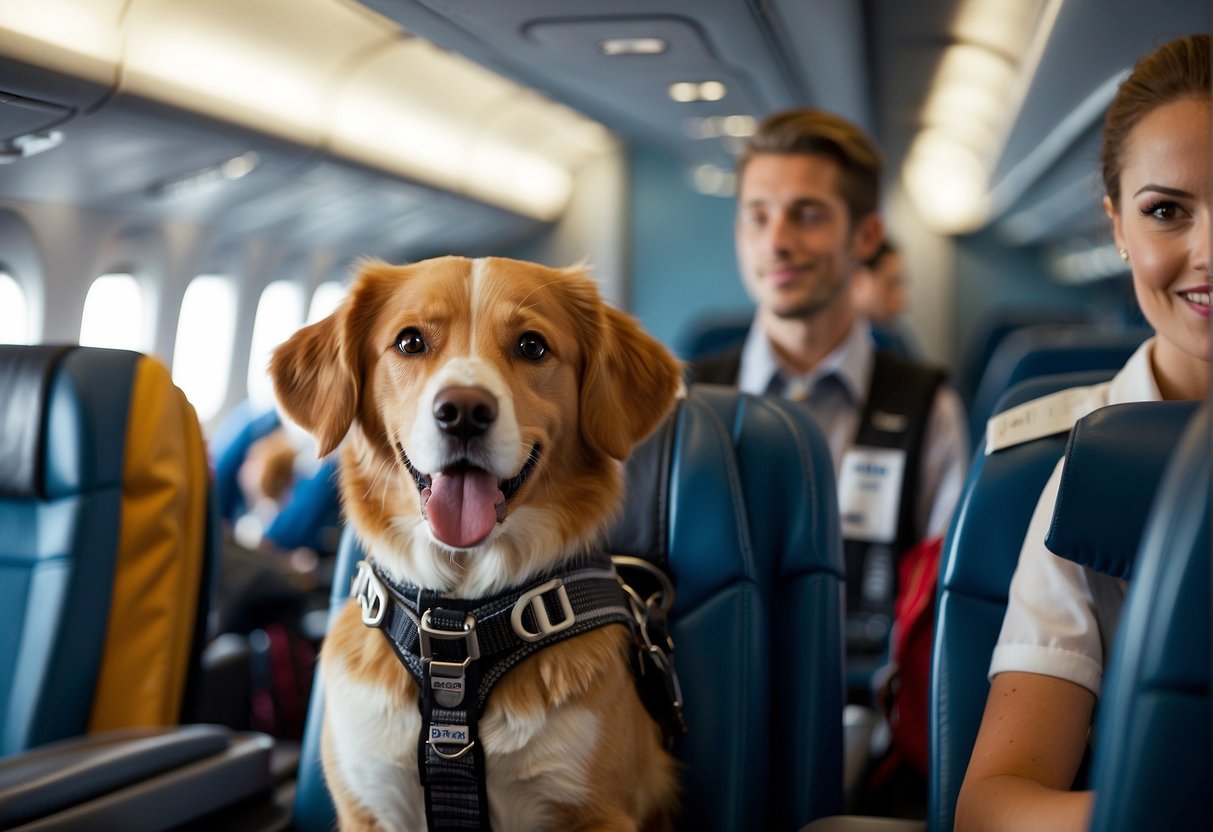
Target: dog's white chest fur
{"x":532,"y":762}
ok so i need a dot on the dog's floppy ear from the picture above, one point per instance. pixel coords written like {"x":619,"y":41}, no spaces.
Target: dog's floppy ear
{"x":631,"y":382}
{"x":314,"y":383}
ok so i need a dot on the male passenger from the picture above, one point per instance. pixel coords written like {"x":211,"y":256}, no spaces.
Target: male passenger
{"x":808,"y":187}
{"x":879,"y":292}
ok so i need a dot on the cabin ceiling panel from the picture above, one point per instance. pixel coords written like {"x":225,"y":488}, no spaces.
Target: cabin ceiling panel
{"x":140,"y":158}
{"x":757,"y":49}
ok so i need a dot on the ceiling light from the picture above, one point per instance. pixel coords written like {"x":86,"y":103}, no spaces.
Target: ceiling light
{"x":240,"y":166}
{"x":718,"y":127}
{"x":974,"y":98}
{"x":713,"y":181}
{"x":200,"y":182}
{"x":614,"y":47}
{"x":684,"y":92}
{"x":688,"y":91}
{"x":740,"y":126}
{"x":948,"y":181}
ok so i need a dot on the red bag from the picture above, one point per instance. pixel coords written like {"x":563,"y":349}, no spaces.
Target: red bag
{"x":914,"y":628}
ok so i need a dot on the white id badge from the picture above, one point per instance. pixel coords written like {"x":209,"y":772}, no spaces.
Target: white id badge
{"x":869,"y":493}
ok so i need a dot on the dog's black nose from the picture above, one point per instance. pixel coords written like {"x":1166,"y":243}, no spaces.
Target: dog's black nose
{"x":465,"y":412}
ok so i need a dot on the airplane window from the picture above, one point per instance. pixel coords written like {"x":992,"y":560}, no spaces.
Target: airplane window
{"x":279,"y":313}
{"x":203,"y":353}
{"x":14,"y":323}
{"x":325,"y":300}
{"x":113,"y":314}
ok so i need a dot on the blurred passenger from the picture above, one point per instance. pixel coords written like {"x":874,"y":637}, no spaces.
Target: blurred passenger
{"x":880,"y":295}
{"x":1047,"y":667}
{"x":807,"y":217}
{"x":273,"y":494}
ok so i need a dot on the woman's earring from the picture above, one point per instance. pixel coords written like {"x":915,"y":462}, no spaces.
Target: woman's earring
{"x":1124,"y":254}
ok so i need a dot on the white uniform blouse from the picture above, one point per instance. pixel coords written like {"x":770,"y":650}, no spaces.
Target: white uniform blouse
{"x":1050,"y":626}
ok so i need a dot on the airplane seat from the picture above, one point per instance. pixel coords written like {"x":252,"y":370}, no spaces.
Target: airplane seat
{"x":734,"y":498}
{"x":105,"y":542}
{"x":980,"y":554}
{"x":993,"y":328}
{"x":982,"y":550}
{"x":1048,"y":349}
{"x":107,"y":564}
{"x":713,"y":334}
{"x":1149,"y":770}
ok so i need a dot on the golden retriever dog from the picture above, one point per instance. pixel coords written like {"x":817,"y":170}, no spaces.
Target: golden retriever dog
{"x":483,"y":408}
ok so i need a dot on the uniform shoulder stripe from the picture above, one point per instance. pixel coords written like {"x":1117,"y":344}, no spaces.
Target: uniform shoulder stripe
{"x":1048,"y":415}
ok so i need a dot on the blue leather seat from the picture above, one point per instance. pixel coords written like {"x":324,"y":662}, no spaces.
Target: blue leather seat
{"x":993,"y":328}
{"x":979,"y":557}
{"x":714,"y":334}
{"x":734,"y":496}
{"x":1152,"y":765}
{"x":1048,"y":349}
{"x":104,"y":536}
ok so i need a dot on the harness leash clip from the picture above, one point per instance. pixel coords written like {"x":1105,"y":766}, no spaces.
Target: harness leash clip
{"x":652,"y":661}
{"x":448,"y":680}
{"x":534,"y":599}
{"x":371,"y":595}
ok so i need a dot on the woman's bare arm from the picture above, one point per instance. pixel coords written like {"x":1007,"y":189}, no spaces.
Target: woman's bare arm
{"x":1032,"y":739}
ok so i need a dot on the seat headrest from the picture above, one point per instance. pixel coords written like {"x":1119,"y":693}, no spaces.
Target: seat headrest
{"x":25,"y":376}
{"x":1115,"y":459}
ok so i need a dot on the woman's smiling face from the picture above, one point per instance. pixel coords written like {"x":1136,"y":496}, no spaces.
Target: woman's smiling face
{"x":1162,"y":222}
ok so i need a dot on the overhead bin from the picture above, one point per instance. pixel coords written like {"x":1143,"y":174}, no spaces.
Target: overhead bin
{"x":330,"y":77}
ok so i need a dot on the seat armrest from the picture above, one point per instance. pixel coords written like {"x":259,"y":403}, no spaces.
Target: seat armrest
{"x":858,"y":726}
{"x":133,"y":779}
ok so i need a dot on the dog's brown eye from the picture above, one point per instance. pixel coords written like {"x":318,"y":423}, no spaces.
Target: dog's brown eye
{"x":531,"y":346}
{"x":410,"y":342}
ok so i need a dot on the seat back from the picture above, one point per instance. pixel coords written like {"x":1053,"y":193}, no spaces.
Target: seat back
{"x":714,"y":334}
{"x":996,"y":325}
{"x":1152,"y":766}
{"x":980,"y":553}
{"x":734,"y":497}
{"x":106,"y":545}
{"x":1049,"y":349}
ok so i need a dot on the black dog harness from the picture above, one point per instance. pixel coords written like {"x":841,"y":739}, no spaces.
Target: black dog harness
{"x":458,"y":649}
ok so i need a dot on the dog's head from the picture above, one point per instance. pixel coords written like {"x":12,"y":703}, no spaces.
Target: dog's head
{"x":485,"y":405}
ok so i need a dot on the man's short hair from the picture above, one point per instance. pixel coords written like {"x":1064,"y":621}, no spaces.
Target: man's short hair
{"x":817,"y":133}
{"x":885,"y":248}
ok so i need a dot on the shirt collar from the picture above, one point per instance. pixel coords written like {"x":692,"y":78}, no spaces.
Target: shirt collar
{"x":1135,"y":382}
{"x":851,"y":361}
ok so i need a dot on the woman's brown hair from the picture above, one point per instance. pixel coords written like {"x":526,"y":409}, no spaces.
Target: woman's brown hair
{"x":1175,"y":71}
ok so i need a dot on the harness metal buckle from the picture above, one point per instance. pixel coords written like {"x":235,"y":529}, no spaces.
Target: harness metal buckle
{"x":426,"y":632}
{"x":663,"y":597}
{"x":371,"y":595}
{"x":450,"y":735}
{"x":534,"y":598}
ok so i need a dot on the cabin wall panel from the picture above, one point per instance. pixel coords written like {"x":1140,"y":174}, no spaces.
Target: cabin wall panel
{"x":684,"y":267}
{"x":593,"y":229}
{"x":19,"y":255}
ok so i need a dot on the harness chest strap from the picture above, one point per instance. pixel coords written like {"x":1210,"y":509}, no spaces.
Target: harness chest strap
{"x":457,"y":650}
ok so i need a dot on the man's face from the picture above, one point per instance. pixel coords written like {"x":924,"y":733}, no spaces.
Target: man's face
{"x":881,"y":293}
{"x":796,"y":247}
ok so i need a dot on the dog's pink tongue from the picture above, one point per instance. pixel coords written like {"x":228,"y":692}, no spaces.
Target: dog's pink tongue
{"x":462,"y":507}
